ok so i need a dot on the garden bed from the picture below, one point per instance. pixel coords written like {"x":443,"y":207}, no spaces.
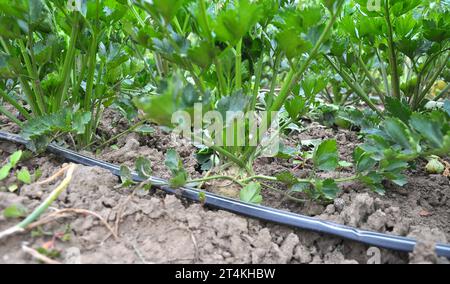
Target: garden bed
{"x":160,"y":228}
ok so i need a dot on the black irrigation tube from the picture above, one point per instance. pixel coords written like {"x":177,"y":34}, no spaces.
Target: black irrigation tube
{"x":397,"y":243}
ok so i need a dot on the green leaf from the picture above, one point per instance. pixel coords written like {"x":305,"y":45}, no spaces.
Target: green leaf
{"x":392,"y":165}
{"x":4,"y":171}
{"x":202,"y":197}
{"x":143,"y":168}
{"x":116,"y":56}
{"x":376,"y":145}
{"x":311,"y":143}
{"x":378,"y":188}
{"x":175,"y":165}
{"x":372,"y":178}
{"x":206,"y":158}
{"x":398,"y":109}
{"x":15,"y":158}
{"x":173,"y":95}
{"x":330,"y":189}
{"x":37,"y":174}
{"x":5,"y":69}
{"x":326,"y":156}
{"x":203,"y":54}
{"x":295,"y":107}
{"x":400,"y":7}
{"x":125,"y":176}
{"x":300,"y":187}
{"x":327,"y":188}
{"x":234,"y":24}
{"x":179,"y":179}
{"x":291,"y":42}
{"x":190,"y":96}
{"x":173,"y":161}
{"x":363,"y":160}
{"x":251,"y":193}
{"x":429,"y":129}
{"x":159,"y":108}
{"x":80,"y":120}
{"x":397,"y":178}
{"x":286,"y":152}
{"x":36,"y":9}
{"x":47,"y":124}
{"x":287,"y":178}
{"x":398,"y":132}
{"x":24,"y":176}
{"x":15,"y":211}
{"x":43,"y":51}
{"x":312,"y":85}
{"x":332,"y":5}
{"x":167,"y":9}
{"x":237,"y":102}
{"x":437,"y":30}
{"x":142,"y":35}
{"x":311,"y":16}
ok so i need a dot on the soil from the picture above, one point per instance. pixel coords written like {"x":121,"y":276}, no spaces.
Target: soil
{"x":158,"y":228}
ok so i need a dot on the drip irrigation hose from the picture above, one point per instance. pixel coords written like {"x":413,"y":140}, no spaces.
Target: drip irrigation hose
{"x":392,"y":242}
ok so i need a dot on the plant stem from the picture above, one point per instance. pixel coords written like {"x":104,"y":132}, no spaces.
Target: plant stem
{"x":24,"y":84}
{"x":431,"y":82}
{"x":36,"y":81}
{"x":68,"y":63}
{"x":238,"y":79}
{"x":197,"y":80}
{"x":10,"y":116}
{"x":352,"y":178}
{"x":259,"y":68}
{"x":98,"y":94}
{"x":33,"y":76}
{"x":88,"y":101}
{"x":218,"y":66}
{"x":15,"y":104}
{"x":273,"y":84}
{"x":355,"y":86}
{"x":225,"y":153}
{"x":205,"y":22}
{"x":251,"y":154}
{"x":371,"y":79}
{"x":286,"y":195}
{"x":219,"y":72}
{"x":29,"y":96}
{"x":136,"y":14}
{"x":259,"y":177}
{"x":50,"y":199}
{"x":158,"y":59}
{"x":391,"y":50}
{"x":214,"y":178}
{"x":329,"y":97}
{"x":43,"y":206}
{"x":383,"y":73}
{"x":79,"y":80}
{"x":292,"y":76}
{"x":91,"y":72}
